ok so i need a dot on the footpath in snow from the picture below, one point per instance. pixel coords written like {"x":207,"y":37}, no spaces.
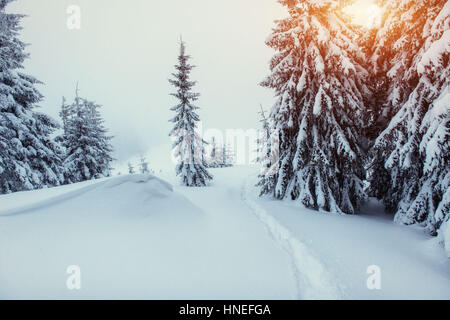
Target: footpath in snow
{"x":138,"y":237}
{"x":412,"y":264}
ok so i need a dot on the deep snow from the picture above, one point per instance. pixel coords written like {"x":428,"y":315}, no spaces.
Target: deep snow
{"x":413,"y":265}
{"x":134,"y":238}
{"x":139,"y":237}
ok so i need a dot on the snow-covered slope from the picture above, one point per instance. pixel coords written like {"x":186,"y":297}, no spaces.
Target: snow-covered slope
{"x":138,"y":237}
{"x":413,"y":265}
{"x":133,"y":237}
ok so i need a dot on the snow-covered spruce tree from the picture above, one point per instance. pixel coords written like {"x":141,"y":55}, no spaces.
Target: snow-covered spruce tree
{"x":410,"y":168}
{"x":319,"y":115}
{"x":188,"y":146}
{"x":28,"y":156}
{"x":143,"y":165}
{"x":131,"y":168}
{"x":228,"y":156}
{"x":395,"y":49}
{"x":214,"y":156}
{"x":65,"y":114}
{"x":263,"y":146}
{"x":224,"y":155}
{"x":268,"y":158}
{"x":88,"y":148}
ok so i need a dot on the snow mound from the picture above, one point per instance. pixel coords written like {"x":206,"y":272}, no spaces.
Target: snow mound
{"x":128,"y":195}
{"x":152,"y":185}
{"x":131,"y":236}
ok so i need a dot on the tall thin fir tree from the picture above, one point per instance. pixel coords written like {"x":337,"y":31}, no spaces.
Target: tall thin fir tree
{"x":189,"y":145}
{"x":65,"y":115}
{"x":262,"y":143}
{"x":88,"y":147}
{"x":29,"y":158}
{"x":266,"y":158}
{"x":320,"y":81}
{"x":204,"y":155}
{"x":409,"y":164}
{"x":214,"y":161}
{"x":227,"y":156}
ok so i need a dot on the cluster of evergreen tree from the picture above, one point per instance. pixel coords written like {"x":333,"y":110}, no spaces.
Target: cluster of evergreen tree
{"x":29,"y":157}
{"x":87,"y":147}
{"x":220,"y":156}
{"x":362,"y":113}
{"x":143,"y":167}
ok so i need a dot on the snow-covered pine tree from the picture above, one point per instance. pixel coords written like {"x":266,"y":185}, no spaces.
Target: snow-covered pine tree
{"x":188,"y":146}
{"x":269,"y":165}
{"x":263,"y":146}
{"x":143,"y":165}
{"x":227,"y":156}
{"x":28,"y":156}
{"x":269,"y":157}
{"x":223,"y":156}
{"x":88,"y":147}
{"x":214,"y":156}
{"x":409,"y":166}
{"x":65,"y":114}
{"x":395,"y":46}
{"x":204,"y":156}
{"x":320,"y":115}
{"x":131,"y":168}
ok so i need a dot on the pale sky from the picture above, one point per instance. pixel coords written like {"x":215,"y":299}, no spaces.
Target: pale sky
{"x":124,"y":54}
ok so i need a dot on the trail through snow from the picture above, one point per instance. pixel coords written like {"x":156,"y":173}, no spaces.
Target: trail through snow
{"x":312,"y":279}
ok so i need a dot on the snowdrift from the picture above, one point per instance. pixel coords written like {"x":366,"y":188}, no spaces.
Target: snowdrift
{"x":138,"y":195}
{"x":129,"y":235}
{"x":136,"y":237}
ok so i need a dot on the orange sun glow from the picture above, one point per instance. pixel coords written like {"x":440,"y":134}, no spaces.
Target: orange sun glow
{"x":365,"y":13}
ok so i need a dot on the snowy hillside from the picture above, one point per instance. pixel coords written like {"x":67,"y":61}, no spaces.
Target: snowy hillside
{"x":133,"y":237}
{"x":136,"y":236}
